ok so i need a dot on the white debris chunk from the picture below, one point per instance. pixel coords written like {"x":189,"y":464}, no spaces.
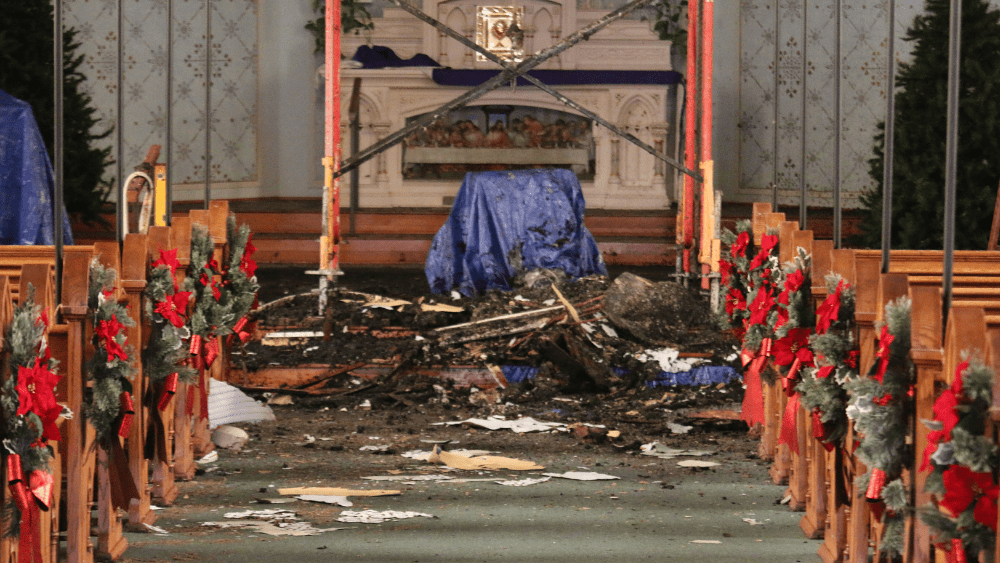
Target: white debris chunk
{"x":582,"y":476}
{"x":522,"y":482}
{"x":377,"y":517}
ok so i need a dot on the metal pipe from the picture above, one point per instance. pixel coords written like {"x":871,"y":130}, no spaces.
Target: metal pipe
{"x":889,"y":143}
{"x":170,"y":108}
{"x":57,"y":143}
{"x":542,"y":86}
{"x":355,"y":110}
{"x":777,"y":81}
{"x":951,"y":161}
{"x":837,"y":217}
{"x":804,"y":186}
{"x":690,"y":130}
{"x":491,"y":84}
{"x":122,"y":203}
{"x":208,"y":102}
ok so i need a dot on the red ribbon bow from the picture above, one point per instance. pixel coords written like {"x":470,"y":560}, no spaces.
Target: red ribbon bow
{"x":753,"y":399}
{"x":169,"y":390}
{"x":127,"y":413}
{"x":29,"y":544}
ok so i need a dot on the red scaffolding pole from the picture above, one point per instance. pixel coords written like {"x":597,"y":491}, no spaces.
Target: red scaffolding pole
{"x":330,"y":240}
{"x":690,"y":135}
{"x":707,"y":165}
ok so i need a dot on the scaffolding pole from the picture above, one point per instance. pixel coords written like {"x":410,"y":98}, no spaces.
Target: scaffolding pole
{"x":329,"y":242}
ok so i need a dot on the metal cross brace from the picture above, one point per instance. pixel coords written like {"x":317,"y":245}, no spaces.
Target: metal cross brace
{"x":545,"y":88}
{"x":488,"y":86}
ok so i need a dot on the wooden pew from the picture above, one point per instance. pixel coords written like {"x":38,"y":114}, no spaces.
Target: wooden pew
{"x":164,"y":490}
{"x":135,"y":260}
{"x":111,"y":541}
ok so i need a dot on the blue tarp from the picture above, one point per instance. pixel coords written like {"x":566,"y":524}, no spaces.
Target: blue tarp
{"x":702,"y":375}
{"x":27,"y":188}
{"x":475,"y":77}
{"x":501,"y":219}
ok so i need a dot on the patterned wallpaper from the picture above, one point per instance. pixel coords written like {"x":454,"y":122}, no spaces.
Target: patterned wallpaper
{"x":234,"y":80}
{"x":788,"y":118}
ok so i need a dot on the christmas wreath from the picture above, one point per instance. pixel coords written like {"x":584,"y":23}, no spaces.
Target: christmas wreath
{"x":795,"y":319}
{"x":110,"y":407}
{"x":880,"y":406}
{"x":734,"y":269}
{"x":962,"y":461}
{"x":762,"y":308}
{"x":163,"y":359}
{"x":822,"y":388}
{"x":30,"y":413}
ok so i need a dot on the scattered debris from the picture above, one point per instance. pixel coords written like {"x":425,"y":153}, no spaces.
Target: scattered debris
{"x":582,"y":476}
{"x":523,"y":482}
{"x":280,"y":400}
{"x":337,"y":492}
{"x":210,"y":457}
{"x":155,"y":529}
{"x":753,"y":522}
{"x":327,"y":499}
{"x":521,"y":425}
{"x":229,"y":438}
{"x":661,"y":451}
{"x":228,"y":405}
{"x":705,"y":541}
{"x":289,"y":338}
{"x":409,"y":477}
{"x":483,"y":462}
{"x":696,"y":463}
{"x":377,"y":517}
{"x":678,"y":428}
{"x":272,"y":522}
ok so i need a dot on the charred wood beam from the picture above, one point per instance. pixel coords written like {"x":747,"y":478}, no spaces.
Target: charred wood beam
{"x":488,"y":86}
{"x":544,"y":87}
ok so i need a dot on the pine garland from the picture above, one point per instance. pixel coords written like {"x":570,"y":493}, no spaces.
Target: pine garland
{"x":210,"y":316}
{"x":880,"y":406}
{"x":962,"y":461}
{"x":166,"y":306}
{"x":110,"y":368}
{"x":822,"y":388}
{"x":27,"y":396}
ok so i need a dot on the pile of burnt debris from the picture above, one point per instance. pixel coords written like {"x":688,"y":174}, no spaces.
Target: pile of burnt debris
{"x":547,"y":336}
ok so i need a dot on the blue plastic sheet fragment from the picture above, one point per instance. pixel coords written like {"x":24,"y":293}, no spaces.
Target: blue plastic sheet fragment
{"x":509,"y":222}
{"x":27,"y":188}
{"x":702,"y":375}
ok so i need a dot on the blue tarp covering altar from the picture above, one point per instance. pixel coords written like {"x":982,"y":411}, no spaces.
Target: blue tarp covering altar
{"x":27,"y":188}
{"x":509,"y":222}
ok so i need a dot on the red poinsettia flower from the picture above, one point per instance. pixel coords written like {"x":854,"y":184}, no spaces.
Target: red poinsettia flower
{"x":735,"y":300}
{"x":43,"y":319}
{"x":964,"y":486}
{"x":883,"y":400}
{"x":106,"y":332}
{"x":958,"y":383}
{"x":248,"y":264}
{"x":884,"y":352}
{"x":795,"y":345}
{"x":174,"y":307}
{"x":825,"y":371}
{"x":739,"y":248}
{"x":794,"y":281}
{"x":168,"y":258}
{"x":829,"y":310}
{"x":944,"y":412}
{"x":762,"y":304}
{"x":212,"y":264}
{"x":35,"y":393}
{"x":725,"y":269}
{"x":210,"y":282}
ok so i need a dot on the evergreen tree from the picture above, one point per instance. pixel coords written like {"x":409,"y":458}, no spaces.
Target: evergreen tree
{"x":26,"y":73}
{"x":921,"y":117}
